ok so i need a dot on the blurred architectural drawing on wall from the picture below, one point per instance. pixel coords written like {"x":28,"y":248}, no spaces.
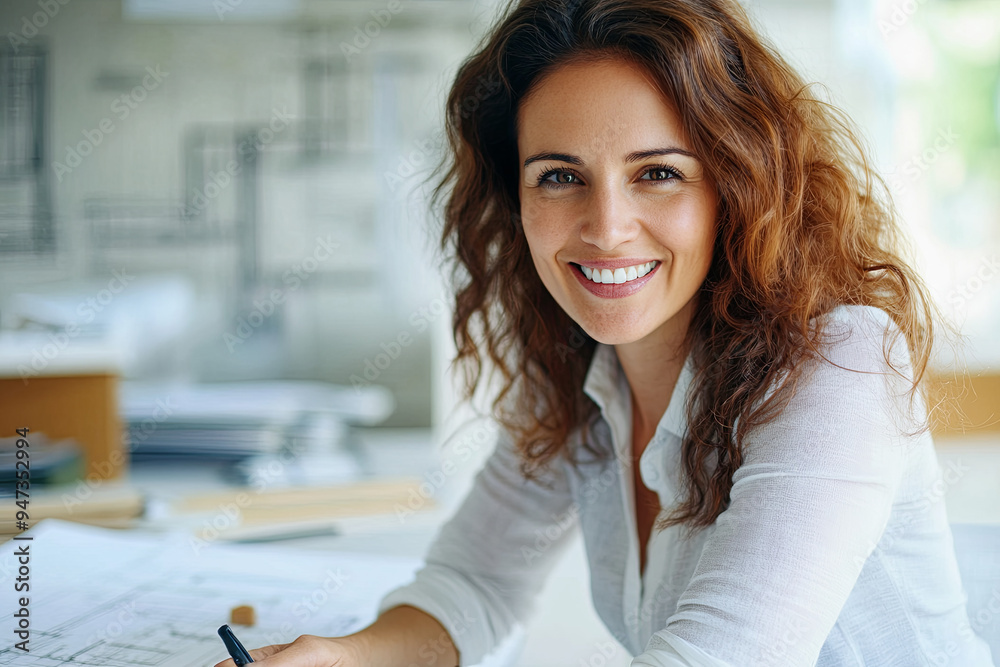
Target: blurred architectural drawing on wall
{"x":251,"y":157}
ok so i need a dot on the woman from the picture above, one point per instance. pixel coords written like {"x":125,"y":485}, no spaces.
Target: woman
{"x":712,"y":357}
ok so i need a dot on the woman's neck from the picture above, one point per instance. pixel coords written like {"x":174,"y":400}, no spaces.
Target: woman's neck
{"x":652,"y":366}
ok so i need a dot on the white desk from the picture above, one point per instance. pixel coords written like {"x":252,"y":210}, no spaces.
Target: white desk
{"x":393,"y":453}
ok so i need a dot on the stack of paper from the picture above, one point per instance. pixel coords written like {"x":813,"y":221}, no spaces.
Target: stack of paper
{"x":234,"y":420}
{"x":47,"y":461}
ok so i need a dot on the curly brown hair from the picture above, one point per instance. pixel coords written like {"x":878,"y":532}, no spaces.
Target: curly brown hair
{"x":804,"y":225}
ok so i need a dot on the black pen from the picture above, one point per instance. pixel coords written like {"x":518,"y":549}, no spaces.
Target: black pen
{"x":239,"y":654}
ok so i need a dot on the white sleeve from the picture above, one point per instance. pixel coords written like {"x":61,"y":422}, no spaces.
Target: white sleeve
{"x":808,"y":505}
{"x":488,"y":562}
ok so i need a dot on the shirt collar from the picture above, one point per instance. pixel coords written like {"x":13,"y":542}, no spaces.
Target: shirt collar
{"x":606,"y":384}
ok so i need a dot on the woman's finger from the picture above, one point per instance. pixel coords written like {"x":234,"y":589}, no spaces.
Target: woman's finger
{"x":305,"y":651}
{"x":257,"y":654}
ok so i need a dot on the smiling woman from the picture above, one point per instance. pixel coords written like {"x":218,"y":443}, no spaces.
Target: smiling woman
{"x":590,"y":216}
{"x":613,"y":213}
{"x":741,"y":434}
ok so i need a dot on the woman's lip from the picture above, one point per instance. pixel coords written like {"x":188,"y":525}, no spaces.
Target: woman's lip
{"x":612,"y":264}
{"x":612,"y":290}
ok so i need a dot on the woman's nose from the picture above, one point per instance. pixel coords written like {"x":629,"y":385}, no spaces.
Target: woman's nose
{"x":608,"y":220}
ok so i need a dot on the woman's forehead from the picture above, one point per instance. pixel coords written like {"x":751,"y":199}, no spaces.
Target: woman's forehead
{"x":599,"y":104}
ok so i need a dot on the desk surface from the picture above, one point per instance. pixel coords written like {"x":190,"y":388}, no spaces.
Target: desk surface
{"x":382,"y":539}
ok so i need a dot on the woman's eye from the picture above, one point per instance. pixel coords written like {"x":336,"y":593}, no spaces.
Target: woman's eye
{"x":562,"y":177}
{"x":559,"y":177}
{"x":660,"y":174}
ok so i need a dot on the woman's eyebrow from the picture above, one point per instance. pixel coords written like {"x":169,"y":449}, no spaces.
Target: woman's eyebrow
{"x":634,"y":156}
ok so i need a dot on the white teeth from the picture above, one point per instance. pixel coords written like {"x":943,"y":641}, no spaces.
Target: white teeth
{"x":618,"y":276}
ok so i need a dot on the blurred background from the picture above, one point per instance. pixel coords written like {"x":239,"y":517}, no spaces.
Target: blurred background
{"x":215,"y":256}
{"x":215,"y":154}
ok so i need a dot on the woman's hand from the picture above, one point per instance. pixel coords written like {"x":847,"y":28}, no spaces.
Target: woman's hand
{"x":393,"y":638}
{"x":307,"y":651}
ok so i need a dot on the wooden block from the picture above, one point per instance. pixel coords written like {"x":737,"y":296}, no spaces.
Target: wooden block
{"x":242,"y":615}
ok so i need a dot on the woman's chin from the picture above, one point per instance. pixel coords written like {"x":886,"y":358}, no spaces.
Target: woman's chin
{"x":611,"y":333}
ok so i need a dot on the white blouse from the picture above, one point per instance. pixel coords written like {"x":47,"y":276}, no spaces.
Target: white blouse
{"x":835,"y":549}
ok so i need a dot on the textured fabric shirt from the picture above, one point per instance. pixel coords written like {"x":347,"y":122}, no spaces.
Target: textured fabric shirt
{"x":835,"y":549}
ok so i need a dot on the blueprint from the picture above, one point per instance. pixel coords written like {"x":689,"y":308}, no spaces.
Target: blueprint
{"x":112,"y":598}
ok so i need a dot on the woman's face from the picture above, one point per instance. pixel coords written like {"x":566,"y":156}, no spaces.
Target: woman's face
{"x":609,"y":184}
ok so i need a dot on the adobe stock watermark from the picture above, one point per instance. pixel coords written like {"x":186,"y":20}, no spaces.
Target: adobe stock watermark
{"x":30,"y":28}
{"x":409,"y":164}
{"x":544,"y":539}
{"x":432,"y":649}
{"x":592,"y":491}
{"x":308,"y":605}
{"x":436,"y":479}
{"x":661,"y":597}
{"x":901,"y":12}
{"x":985,"y":616}
{"x":485,"y":87}
{"x":964,"y":292}
{"x":293,"y":278}
{"x":777,"y":654}
{"x":230,"y":514}
{"x":136,"y":435}
{"x":220,"y":180}
{"x":576,"y":340}
{"x":915,"y":166}
{"x":115,"y":628}
{"x":87,"y":310}
{"x":419,"y":319}
{"x":372,"y":29}
{"x":122,"y":106}
{"x":950,"y":475}
{"x":223,"y":7}
{"x":603,"y":651}
{"x":116,"y":459}
{"x":425,"y":149}
{"x":975,"y":627}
